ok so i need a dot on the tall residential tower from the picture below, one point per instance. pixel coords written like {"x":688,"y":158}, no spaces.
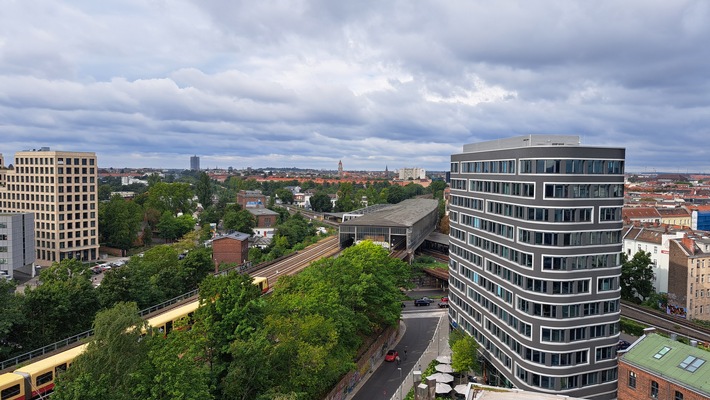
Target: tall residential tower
{"x":61,"y":189}
{"x":535,"y":243}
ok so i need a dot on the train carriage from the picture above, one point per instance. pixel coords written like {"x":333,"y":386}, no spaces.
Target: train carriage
{"x":39,"y":376}
{"x":164,"y":322}
{"x":262,"y":283}
{"x":12,"y":387}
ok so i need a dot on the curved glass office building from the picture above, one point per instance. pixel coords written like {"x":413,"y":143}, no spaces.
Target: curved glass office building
{"x":535,"y":244}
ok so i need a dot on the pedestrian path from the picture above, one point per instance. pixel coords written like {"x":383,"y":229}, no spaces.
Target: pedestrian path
{"x":438,"y":346}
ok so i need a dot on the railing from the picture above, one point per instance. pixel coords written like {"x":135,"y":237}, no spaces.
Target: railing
{"x":83,"y":335}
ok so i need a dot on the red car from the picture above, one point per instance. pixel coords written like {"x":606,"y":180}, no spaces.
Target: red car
{"x":391,"y":355}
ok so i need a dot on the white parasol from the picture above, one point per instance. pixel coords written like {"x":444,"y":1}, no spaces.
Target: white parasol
{"x":461,"y":389}
{"x":444,"y":359}
{"x":446,"y":368}
{"x":443,"y":388}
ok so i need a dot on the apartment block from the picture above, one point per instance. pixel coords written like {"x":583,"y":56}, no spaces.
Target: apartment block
{"x":535,"y":243}
{"x":689,"y":277}
{"x":60,"y":188}
{"x":17,"y":251}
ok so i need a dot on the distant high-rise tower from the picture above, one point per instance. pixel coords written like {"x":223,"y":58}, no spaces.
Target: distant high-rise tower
{"x":61,"y":189}
{"x":340,"y":168}
{"x":387,"y":173}
{"x":195,"y":163}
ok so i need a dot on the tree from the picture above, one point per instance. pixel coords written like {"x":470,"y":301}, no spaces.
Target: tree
{"x":464,"y":353}
{"x":63,"y":305}
{"x":203,"y":190}
{"x":295,"y":229}
{"x":171,"y":227}
{"x":172,"y":197}
{"x":437,"y":188}
{"x":396,"y":194}
{"x":232,"y":310}
{"x":107,"y":368}
{"x":320,"y":202}
{"x":285,"y":195}
{"x":241,"y":221}
{"x":10,"y":318}
{"x":173,"y":368}
{"x":119,"y":222}
{"x":637,"y":277}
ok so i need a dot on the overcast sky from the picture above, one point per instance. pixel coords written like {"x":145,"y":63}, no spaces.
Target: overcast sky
{"x":372,"y":83}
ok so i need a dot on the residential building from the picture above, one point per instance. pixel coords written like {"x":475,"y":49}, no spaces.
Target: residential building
{"x":60,"y":188}
{"x":195,"y":163}
{"x":535,"y":244}
{"x":689,"y":277}
{"x":17,"y":244}
{"x":406,"y":174}
{"x":265,"y":221}
{"x":251,"y":199}
{"x":656,"y":367}
{"x":655,"y":241}
{"x":678,"y":216}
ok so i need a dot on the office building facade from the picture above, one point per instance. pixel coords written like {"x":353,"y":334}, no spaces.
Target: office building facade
{"x":61,"y":189}
{"x":17,"y":248}
{"x":535,"y":243}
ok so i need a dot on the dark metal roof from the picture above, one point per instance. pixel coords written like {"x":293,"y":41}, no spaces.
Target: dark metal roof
{"x":404,"y":214}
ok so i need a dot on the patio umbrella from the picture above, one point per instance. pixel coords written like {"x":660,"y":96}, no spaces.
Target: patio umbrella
{"x":461,"y":389}
{"x":444,"y":368}
{"x":443,"y":388}
{"x":444,"y":359}
{"x":442,"y":378}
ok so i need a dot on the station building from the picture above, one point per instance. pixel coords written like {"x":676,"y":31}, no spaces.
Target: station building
{"x":398,"y":227}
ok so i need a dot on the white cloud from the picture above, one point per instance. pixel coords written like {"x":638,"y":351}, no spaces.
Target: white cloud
{"x":309,"y":82}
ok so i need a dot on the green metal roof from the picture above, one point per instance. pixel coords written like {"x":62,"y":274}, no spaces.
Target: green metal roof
{"x":672,"y":360}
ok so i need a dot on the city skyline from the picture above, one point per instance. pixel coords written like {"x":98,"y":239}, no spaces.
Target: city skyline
{"x":305,"y":84}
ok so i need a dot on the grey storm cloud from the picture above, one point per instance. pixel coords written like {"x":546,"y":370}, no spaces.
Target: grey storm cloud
{"x":308,"y":83}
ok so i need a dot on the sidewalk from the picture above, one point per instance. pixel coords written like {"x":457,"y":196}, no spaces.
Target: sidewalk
{"x":441,"y":334}
{"x":439,"y":346}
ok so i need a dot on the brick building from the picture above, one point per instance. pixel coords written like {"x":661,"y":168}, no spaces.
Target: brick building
{"x":656,"y":367}
{"x":265,"y":221}
{"x":230,"y":249}
{"x":251,"y":199}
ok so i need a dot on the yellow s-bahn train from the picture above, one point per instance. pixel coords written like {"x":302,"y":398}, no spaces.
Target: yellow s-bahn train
{"x":35,"y":380}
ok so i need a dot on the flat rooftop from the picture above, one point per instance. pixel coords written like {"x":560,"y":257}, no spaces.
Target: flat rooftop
{"x":523,"y":141}
{"x":404,"y":214}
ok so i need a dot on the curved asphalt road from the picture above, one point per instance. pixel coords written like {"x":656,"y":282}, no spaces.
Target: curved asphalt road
{"x":420,"y":324}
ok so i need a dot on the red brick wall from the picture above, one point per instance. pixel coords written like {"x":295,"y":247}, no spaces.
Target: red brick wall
{"x":261,"y":221}
{"x":229,"y":250}
{"x":666,"y":389}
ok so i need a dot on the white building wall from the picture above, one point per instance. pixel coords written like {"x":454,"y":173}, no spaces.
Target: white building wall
{"x":17,"y":251}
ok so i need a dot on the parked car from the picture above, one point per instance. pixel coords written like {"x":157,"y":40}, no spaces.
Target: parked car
{"x":105,"y":267}
{"x":421,"y":302}
{"x":623,"y":345}
{"x":427,"y":299}
{"x":443,"y":304}
{"x":96,"y":269}
{"x":391,"y":355}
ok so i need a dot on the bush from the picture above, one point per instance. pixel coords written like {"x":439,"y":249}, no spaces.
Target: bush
{"x":631,"y":327}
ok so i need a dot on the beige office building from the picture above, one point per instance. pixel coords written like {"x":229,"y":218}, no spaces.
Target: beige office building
{"x":61,"y":189}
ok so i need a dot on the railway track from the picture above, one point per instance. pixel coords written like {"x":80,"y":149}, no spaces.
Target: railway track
{"x":664,"y":322}
{"x":325,"y":248}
